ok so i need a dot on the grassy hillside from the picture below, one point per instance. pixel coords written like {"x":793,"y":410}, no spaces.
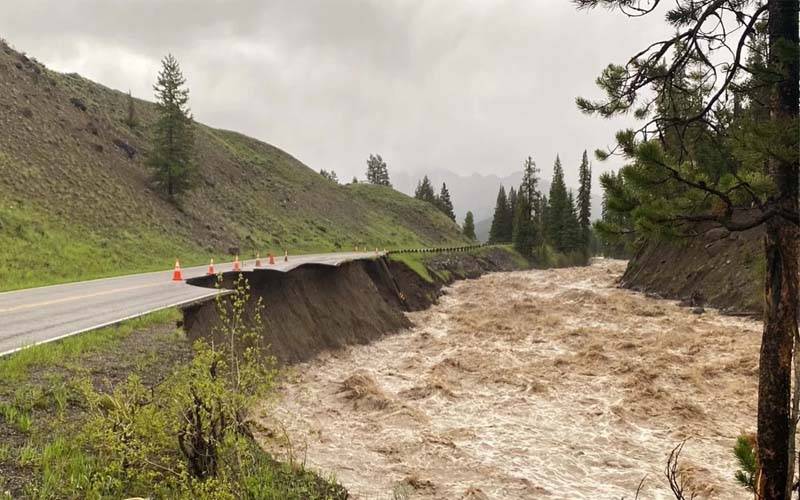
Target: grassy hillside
{"x":76,"y":199}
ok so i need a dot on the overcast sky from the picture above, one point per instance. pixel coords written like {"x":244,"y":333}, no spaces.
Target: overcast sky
{"x":467,"y":85}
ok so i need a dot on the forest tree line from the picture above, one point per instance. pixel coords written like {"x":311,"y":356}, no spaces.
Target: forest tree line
{"x":550,"y":229}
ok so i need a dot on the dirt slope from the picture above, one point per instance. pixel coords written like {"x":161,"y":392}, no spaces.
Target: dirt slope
{"x":722,"y":269}
{"x":75,"y":193}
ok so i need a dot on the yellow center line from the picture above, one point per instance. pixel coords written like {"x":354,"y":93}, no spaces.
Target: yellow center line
{"x":77,"y":297}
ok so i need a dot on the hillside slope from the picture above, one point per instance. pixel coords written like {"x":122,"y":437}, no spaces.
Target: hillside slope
{"x":725,"y":269}
{"x":76,"y":199}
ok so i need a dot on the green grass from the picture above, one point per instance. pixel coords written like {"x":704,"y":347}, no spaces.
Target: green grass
{"x":40,"y":252}
{"x":49,"y":451}
{"x":519,"y":260}
{"x":44,"y":253}
{"x":415,"y":262}
{"x":16,"y":418}
{"x":17,"y":368}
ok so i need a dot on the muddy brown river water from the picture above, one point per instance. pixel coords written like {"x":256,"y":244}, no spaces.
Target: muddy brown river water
{"x":534,"y":384}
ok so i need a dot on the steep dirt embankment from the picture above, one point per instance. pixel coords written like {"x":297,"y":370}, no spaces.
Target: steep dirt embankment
{"x":445,"y":268}
{"x":317,"y":308}
{"x":721,"y":269}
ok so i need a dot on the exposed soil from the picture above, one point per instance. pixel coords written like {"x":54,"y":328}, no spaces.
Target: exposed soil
{"x":318,"y":308}
{"x":529,"y":384}
{"x":723,"y":269}
{"x":315,"y":308}
{"x":445,"y":268}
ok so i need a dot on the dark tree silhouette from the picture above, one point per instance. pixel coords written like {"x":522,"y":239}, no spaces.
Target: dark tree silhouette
{"x":700,"y":161}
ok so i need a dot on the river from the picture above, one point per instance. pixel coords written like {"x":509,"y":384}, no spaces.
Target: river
{"x":533,"y":384}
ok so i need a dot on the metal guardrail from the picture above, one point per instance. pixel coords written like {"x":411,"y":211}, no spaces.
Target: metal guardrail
{"x":464,"y":248}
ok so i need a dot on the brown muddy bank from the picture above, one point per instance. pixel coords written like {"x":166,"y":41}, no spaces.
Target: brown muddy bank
{"x":319,"y":308}
{"x":723,"y":269}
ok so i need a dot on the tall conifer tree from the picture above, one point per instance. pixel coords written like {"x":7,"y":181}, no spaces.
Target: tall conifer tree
{"x":690,"y":163}
{"x":512,"y":201}
{"x":424,"y":191}
{"x":444,"y":202}
{"x":501,"y":222}
{"x":377,"y":171}
{"x":585,"y":201}
{"x":173,"y":141}
{"x":558,"y":209}
{"x":524,"y":231}
{"x":469,"y":226}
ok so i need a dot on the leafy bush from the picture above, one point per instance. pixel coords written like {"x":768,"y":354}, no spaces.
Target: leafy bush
{"x":190,"y":436}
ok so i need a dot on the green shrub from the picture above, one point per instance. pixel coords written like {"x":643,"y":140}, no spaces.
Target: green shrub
{"x":190,"y":436}
{"x":745,"y":453}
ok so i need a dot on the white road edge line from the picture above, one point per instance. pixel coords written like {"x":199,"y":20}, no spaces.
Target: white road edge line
{"x":214,"y":293}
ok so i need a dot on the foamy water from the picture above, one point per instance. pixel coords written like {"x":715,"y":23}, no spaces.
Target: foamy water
{"x":533,"y":384}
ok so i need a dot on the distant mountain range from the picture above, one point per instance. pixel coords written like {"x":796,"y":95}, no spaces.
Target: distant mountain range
{"x":475,"y":192}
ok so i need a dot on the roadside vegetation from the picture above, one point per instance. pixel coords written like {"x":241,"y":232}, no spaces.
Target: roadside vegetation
{"x":135,"y":410}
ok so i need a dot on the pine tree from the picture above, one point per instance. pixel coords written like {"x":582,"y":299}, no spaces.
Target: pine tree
{"x":691,"y":166}
{"x":331,"y":176}
{"x":530,"y":179}
{"x":530,"y":186}
{"x":174,"y":132}
{"x":585,"y":201}
{"x":424,"y":191}
{"x":469,"y":226}
{"x":524,"y":230}
{"x":615,"y":226}
{"x":512,"y":201}
{"x":377,"y":171}
{"x":558,"y":210}
{"x":498,"y":233}
{"x":572,"y":237}
{"x":131,"y":119}
{"x":444,"y":203}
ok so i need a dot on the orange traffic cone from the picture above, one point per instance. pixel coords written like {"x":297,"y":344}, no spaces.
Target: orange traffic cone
{"x":177,"y":275}
{"x":211,"y":270}
{"x":236,"y":265}
{"x":258,"y":259}
{"x":271,"y":259}
{"x":286,"y":256}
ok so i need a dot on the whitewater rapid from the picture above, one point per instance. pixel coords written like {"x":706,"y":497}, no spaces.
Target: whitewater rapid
{"x":534,"y":384}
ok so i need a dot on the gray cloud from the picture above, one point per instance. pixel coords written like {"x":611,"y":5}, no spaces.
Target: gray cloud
{"x":469,"y":86}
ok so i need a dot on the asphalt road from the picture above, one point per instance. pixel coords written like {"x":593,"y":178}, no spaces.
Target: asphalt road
{"x":44,"y":314}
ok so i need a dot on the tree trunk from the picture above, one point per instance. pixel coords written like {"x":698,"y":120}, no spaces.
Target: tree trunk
{"x":781,"y":280}
{"x":775,"y":367}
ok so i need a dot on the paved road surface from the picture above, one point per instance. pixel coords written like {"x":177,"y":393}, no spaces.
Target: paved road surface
{"x":44,"y":314}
